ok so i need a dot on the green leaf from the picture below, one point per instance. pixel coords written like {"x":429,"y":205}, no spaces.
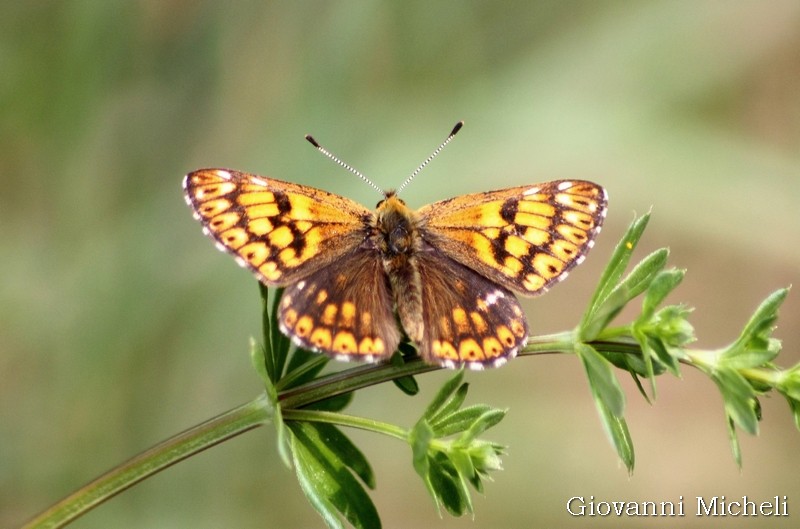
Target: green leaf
{"x":280,"y":342}
{"x":307,"y":470}
{"x":459,"y":420}
{"x":640,"y":279}
{"x":660,"y":287}
{"x":347,"y":452}
{"x":407,"y":384}
{"x":276,"y":345}
{"x":755,"y":345}
{"x":463,"y":465}
{"x":619,"y":259}
{"x":258,"y":359}
{"x":617,"y":431}
{"x":605,"y":386}
{"x":655,"y":348}
{"x":444,"y":394}
{"x":754,"y":348}
{"x":794,"y":406}
{"x":450,"y":490}
{"x":327,"y":481}
{"x":485,"y":458}
{"x":303,"y":367}
{"x":648,"y":352}
{"x":335,"y":403}
{"x":266,"y":330}
{"x":733,"y":438}
{"x":788,"y":382}
{"x":450,"y":405}
{"x":487,"y":419}
{"x":738,"y":397}
{"x":761,"y":322}
{"x":299,"y":358}
{"x":640,"y":387}
{"x":447,"y":467}
{"x":747,"y":358}
{"x":632,"y":363}
{"x":608,"y":310}
{"x":644,"y":273}
{"x":609,"y":400}
{"x":662,"y":335}
{"x":258,"y":356}
{"x":673,"y":330}
{"x":611,"y":276}
{"x":420,"y":438}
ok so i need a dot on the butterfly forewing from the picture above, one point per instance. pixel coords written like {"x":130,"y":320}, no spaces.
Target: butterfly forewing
{"x":279,"y":230}
{"x":525,"y":238}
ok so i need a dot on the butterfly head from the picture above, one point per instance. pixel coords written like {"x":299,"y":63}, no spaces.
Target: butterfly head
{"x":389,"y":195}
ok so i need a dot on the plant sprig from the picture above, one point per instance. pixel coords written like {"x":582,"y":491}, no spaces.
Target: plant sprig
{"x":305,"y":404}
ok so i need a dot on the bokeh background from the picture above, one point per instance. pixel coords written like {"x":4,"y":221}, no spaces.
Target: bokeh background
{"x":120,"y":324}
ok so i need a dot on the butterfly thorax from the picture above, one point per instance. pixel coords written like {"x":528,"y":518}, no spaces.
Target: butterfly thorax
{"x":398,"y":240}
{"x":397,"y":226}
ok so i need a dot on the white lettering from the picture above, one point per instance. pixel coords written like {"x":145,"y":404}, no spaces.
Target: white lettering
{"x":702,"y":510}
{"x":664,"y":508}
{"x":581,"y":506}
{"x":602,"y":505}
{"x":712,"y":506}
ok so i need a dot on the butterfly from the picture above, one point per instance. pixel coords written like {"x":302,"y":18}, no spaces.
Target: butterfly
{"x":357,"y":280}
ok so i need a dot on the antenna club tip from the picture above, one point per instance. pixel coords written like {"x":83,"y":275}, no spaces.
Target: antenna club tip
{"x":310,"y":139}
{"x":457,"y":127}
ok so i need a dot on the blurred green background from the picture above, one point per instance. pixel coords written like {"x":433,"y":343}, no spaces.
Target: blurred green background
{"x":121,"y":324}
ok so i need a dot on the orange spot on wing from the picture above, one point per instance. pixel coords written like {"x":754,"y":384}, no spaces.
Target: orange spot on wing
{"x":345,"y":343}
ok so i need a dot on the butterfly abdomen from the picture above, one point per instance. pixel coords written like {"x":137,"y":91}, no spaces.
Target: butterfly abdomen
{"x":398,"y":241}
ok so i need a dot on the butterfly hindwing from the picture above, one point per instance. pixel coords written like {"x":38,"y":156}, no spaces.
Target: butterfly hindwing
{"x":279,"y":230}
{"x":468,"y":319}
{"x":344,"y":310}
{"x":525,"y":238}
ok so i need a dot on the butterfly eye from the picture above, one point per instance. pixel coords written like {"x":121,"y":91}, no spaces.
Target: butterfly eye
{"x":379,"y":204}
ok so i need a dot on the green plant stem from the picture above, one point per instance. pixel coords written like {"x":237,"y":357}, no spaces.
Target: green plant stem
{"x":353,"y":421}
{"x":153,"y":460}
{"x":549,"y":343}
{"x":564,"y":342}
{"x":350,"y":380}
{"x":256,"y":413}
{"x":370,"y":374}
{"x":342,"y":419}
{"x":765,"y":376}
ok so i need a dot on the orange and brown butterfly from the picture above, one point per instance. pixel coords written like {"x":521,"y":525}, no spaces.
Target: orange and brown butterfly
{"x":445,"y":270}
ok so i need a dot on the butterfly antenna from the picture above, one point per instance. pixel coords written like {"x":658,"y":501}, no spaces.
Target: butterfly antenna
{"x":432,"y":156}
{"x":356,"y":172}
